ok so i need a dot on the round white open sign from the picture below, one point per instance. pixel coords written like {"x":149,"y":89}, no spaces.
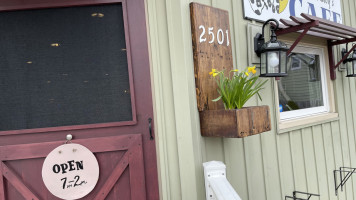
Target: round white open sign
{"x":70,"y":171}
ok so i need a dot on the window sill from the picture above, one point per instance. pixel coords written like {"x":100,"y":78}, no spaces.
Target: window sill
{"x":295,"y":124}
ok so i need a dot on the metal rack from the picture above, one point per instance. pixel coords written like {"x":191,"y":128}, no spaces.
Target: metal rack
{"x":343,"y":179}
{"x":294,"y":197}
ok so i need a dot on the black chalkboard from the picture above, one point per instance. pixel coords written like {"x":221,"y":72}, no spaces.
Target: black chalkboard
{"x":63,"y":66}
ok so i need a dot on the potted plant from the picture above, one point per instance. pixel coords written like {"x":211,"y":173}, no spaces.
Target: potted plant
{"x":235,"y":89}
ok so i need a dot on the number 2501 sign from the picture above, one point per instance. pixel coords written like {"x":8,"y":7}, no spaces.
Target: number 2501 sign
{"x":212,"y":47}
{"x":219,"y":35}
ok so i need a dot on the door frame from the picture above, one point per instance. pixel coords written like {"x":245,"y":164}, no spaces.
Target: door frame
{"x":135,"y":26}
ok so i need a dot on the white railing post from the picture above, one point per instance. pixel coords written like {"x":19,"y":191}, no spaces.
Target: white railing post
{"x":217,"y":187}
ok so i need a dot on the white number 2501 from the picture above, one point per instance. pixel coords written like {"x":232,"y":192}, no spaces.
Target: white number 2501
{"x":219,"y":35}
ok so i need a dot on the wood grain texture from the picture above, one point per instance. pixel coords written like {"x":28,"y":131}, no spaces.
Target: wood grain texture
{"x":329,"y":157}
{"x":235,"y":123}
{"x":2,"y":186}
{"x":17,"y":183}
{"x":133,"y":159}
{"x":209,"y":55}
{"x":137,"y":183}
{"x":309,"y":160}
{"x":114,"y":176}
{"x":40,"y":150}
{"x":320,"y":162}
{"x":286,"y":164}
{"x":300,"y":180}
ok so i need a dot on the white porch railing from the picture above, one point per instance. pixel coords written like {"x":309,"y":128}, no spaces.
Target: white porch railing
{"x":217,"y":187}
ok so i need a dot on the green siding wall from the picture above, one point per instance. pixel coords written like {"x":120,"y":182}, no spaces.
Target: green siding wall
{"x":268,"y":166}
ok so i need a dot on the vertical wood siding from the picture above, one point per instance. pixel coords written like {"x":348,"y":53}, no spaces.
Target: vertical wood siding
{"x":262,"y":167}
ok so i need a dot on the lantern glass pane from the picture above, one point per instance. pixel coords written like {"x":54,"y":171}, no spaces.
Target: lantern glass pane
{"x":263,"y":63}
{"x":273,"y":62}
{"x":349,"y":67}
{"x":283,"y":62}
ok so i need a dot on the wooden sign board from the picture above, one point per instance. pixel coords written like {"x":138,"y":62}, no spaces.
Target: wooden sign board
{"x":211,"y":49}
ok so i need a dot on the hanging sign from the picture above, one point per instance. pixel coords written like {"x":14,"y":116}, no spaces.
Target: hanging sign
{"x":211,"y":49}
{"x":262,"y":10}
{"x":70,"y":171}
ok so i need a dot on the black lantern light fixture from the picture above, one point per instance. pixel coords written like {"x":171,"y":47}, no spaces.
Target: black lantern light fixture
{"x":273,"y":54}
{"x":350,"y":69}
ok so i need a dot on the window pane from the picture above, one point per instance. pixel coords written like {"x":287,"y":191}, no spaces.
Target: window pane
{"x":283,"y":57}
{"x":302,"y":87}
{"x":63,"y":66}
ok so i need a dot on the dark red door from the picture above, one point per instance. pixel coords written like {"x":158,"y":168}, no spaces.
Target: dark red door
{"x":80,"y":68}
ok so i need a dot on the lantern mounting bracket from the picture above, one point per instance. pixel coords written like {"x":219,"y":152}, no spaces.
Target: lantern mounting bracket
{"x":335,"y":33}
{"x":345,"y":53}
{"x":259,"y":39}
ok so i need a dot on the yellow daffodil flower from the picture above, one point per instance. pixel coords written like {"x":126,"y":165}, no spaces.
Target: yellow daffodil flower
{"x":235,"y":88}
{"x":250,"y":69}
{"x":212,"y":71}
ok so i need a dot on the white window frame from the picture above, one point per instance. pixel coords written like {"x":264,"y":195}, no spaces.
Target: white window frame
{"x":307,"y":112}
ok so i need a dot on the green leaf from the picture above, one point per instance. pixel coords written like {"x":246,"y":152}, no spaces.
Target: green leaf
{"x":217,"y":99}
{"x":237,"y":88}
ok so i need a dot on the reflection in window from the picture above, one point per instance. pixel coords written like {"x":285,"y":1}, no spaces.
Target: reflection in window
{"x":302,"y":87}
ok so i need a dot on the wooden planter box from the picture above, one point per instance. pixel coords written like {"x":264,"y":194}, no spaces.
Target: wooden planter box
{"x":235,"y":123}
